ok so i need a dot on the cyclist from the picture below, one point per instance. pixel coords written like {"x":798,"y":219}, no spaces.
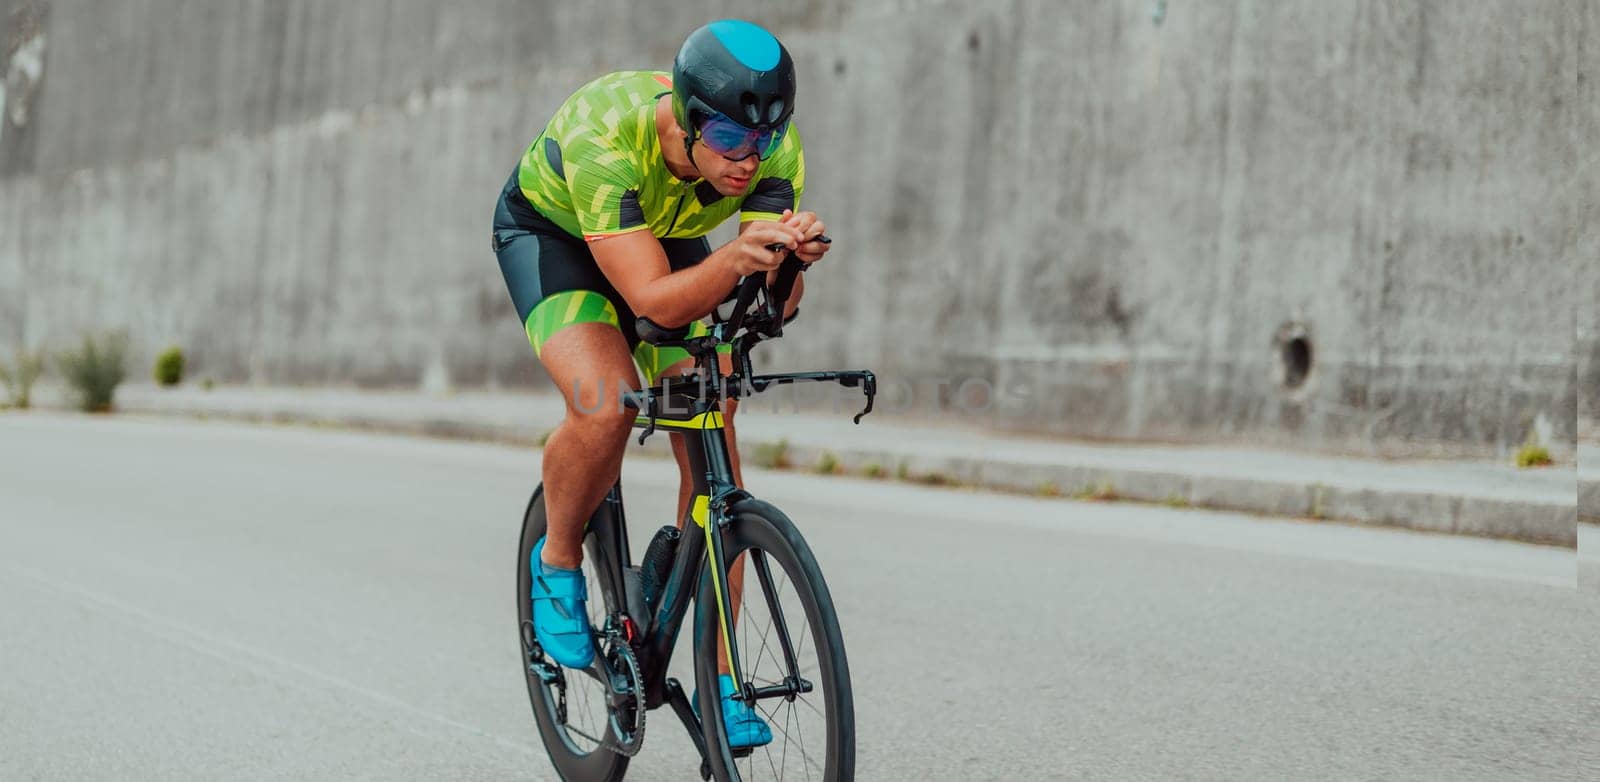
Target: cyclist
{"x":604,"y":220}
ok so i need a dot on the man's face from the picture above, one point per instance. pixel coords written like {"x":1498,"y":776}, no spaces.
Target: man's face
{"x":731,"y":178}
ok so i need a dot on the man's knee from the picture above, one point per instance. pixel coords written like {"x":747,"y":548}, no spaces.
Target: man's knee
{"x":607,"y":420}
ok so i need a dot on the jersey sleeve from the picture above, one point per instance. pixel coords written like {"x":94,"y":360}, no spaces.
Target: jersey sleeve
{"x":779,"y":183}
{"x":604,"y":185}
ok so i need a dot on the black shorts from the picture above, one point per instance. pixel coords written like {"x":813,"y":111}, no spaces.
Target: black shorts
{"x":540,"y":260}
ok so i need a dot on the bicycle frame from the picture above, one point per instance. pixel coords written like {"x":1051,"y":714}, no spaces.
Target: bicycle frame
{"x":715,"y":491}
{"x":691,"y":407}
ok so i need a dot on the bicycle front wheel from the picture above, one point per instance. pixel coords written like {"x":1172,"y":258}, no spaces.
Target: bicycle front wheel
{"x":787,"y":636}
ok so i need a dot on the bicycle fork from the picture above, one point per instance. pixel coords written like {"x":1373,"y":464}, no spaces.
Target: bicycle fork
{"x":713,"y":516}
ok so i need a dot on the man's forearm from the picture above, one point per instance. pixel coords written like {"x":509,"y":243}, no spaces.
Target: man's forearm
{"x":692,"y":293}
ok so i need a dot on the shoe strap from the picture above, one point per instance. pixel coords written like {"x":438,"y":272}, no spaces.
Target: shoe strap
{"x":561,"y":586}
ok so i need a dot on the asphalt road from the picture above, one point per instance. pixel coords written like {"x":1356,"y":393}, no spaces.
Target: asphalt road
{"x":208,"y":601}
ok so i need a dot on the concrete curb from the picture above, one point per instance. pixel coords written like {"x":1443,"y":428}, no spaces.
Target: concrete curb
{"x":1543,"y":517}
{"x":1531,"y":521}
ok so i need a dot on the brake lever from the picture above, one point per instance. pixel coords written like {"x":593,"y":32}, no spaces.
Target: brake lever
{"x":650,"y":428}
{"x":869,"y":386}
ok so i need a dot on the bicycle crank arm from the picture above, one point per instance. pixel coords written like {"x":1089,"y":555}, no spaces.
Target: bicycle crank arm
{"x":691,"y":723}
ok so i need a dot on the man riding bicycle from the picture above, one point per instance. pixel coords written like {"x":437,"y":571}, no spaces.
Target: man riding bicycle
{"x":604,"y":221}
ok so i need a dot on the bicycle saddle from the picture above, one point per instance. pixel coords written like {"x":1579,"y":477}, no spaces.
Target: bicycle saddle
{"x":658,"y":335}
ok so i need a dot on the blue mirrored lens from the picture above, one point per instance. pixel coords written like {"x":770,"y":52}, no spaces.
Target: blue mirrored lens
{"x":732,"y":140}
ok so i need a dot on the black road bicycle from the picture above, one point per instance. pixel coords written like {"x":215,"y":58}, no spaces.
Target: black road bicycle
{"x":783,"y":645}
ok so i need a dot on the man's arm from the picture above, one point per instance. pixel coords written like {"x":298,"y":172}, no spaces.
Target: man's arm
{"x":795,"y":293}
{"x":635,"y":263}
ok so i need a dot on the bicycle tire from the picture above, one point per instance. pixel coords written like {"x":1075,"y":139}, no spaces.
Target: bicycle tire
{"x":571,"y":763}
{"x":759,"y":526}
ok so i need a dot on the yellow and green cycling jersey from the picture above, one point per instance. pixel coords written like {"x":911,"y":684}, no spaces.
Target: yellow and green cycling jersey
{"x":597,"y":169}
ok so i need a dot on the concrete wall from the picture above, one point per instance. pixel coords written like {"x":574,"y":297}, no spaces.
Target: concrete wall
{"x":1121,"y":217}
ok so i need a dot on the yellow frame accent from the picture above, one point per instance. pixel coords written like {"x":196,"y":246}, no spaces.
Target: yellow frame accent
{"x":701,"y":512}
{"x":710,"y":420}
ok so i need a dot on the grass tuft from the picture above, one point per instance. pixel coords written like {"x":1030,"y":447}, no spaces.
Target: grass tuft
{"x":95,"y":369}
{"x":773,"y":456}
{"x":828,"y":464}
{"x":1533,"y":455}
{"x":19,"y":378}
{"x":1100,"y":492}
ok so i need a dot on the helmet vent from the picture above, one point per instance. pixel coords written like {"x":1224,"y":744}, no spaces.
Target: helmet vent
{"x":752,"y":107}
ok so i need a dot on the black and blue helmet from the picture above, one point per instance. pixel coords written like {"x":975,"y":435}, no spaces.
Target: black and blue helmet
{"x":735,"y":69}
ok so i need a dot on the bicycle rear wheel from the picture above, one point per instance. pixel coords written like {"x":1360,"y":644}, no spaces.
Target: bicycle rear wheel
{"x":569,"y":705}
{"x":784,"y":598}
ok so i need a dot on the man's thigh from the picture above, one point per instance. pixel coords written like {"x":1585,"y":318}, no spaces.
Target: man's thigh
{"x":589,"y":363}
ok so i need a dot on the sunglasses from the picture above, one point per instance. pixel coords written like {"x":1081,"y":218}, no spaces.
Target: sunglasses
{"x":737,"y":142}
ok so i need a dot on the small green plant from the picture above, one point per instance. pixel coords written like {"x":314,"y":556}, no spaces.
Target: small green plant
{"x":902,"y":471}
{"x":1533,"y":455}
{"x":773,"y":456}
{"x":19,"y":379}
{"x":1318,"y":500}
{"x":168,"y":370}
{"x":873,"y":470}
{"x":1102,"y":491}
{"x":95,"y":369}
{"x":1175,"y":501}
{"x":936,"y":478}
{"x":828,"y":464}
{"x":1048,"y":489}
{"x":207,"y":384}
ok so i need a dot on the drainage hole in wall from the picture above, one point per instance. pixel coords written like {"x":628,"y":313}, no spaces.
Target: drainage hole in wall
{"x":1294,"y":351}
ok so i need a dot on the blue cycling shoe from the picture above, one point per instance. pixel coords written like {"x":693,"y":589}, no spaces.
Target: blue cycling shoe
{"x":745,"y":727}
{"x":561,"y":612}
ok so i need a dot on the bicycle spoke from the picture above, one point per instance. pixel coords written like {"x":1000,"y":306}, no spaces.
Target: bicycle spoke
{"x":786,"y":739}
{"x":812,"y":707}
{"x":766,"y":651}
{"x":804,"y":758}
{"x":772,"y":719}
{"x":571,"y":729}
{"x":775,"y":772}
{"x":798,"y":649}
{"x":587,"y":717}
{"x":804,"y":628}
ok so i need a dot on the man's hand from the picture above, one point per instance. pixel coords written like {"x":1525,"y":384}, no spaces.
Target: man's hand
{"x":750,"y":249}
{"x":810,"y":250}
